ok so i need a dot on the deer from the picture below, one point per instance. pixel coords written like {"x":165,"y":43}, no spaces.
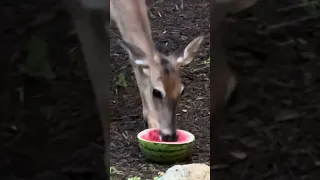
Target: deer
{"x":157,"y":74}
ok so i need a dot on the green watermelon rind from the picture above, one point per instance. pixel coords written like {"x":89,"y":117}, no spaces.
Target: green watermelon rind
{"x":165,"y":158}
{"x":166,"y":153}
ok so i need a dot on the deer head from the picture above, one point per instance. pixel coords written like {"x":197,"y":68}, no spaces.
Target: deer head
{"x":160,"y":83}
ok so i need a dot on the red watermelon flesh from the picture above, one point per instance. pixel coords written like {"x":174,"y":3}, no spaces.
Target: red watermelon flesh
{"x":153,"y":135}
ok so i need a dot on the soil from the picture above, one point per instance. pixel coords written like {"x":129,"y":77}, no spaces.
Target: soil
{"x":272,"y":129}
{"x":172,"y":28}
{"x":49,"y":129}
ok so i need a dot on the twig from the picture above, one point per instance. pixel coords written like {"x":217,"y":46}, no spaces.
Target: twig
{"x":205,"y":68}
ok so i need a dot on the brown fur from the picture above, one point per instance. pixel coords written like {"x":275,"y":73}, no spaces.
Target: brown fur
{"x":172,"y":84}
{"x":171,"y":79}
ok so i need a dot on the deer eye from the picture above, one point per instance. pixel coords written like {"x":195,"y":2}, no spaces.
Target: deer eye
{"x":157,"y":94}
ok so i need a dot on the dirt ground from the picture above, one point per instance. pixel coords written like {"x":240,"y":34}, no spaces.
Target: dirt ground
{"x":50,"y":129}
{"x":272,"y":131}
{"x":172,"y":28}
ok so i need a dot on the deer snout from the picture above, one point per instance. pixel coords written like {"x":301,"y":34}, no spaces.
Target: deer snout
{"x":168,"y":136}
{"x":165,"y":123}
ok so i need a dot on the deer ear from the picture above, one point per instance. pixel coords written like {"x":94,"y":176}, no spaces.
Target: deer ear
{"x":186,"y":55}
{"x":137,"y":56}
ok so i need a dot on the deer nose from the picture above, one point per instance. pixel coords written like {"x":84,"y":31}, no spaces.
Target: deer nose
{"x":168,"y":137}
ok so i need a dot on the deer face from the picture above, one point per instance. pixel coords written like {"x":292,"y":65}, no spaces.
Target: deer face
{"x":160,"y":84}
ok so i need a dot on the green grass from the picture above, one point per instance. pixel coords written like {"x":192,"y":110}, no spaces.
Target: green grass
{"x":111,"y":170}
{"x":207,"y":61}
{"x":121,"y":80}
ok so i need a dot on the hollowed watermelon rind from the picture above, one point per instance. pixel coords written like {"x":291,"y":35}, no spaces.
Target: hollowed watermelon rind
{"x":166,"y":157}
{"x":163,"y":159}
{"x":168,"y":152}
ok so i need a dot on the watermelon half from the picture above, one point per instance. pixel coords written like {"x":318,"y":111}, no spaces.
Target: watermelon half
{"x":165,"y":152}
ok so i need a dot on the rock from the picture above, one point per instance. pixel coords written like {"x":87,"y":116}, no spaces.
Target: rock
{"x":187,"y":172}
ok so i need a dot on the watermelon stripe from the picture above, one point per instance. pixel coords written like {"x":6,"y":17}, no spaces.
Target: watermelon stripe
{"x":168,"y":150}
{"x":165,"y":159}
{"x":166,"y":154}
{"x":165,"y":147}
{"x":162,"y":160}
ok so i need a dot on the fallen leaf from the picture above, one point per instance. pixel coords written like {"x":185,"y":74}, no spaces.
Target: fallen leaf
{"x":199,"y":98}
